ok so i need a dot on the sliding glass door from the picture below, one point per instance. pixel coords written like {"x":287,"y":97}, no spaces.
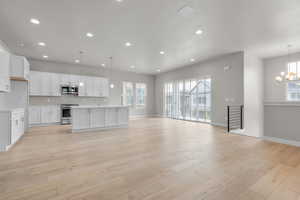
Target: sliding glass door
{"x":188,"y":99}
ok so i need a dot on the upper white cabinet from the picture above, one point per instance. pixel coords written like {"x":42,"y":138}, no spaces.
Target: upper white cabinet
{"x":4,"y":72}
{"x":49,"y":84}
{"x":19,"y":67}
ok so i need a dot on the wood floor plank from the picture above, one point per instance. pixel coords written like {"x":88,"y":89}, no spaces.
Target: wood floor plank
{"x":152,"y":159}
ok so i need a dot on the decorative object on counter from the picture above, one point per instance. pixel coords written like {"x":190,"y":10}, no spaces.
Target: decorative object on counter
{"x":292,"y":74}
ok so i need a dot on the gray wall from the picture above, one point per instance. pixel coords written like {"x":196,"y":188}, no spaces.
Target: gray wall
{"x":282,"y":122}
{"x":116,"y":76}
{"x":281,"y":117}
{"x":225,"y":84}
{"x":275,"y":92}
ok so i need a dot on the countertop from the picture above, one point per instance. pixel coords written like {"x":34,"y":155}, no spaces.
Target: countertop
{"x":91,"y":106}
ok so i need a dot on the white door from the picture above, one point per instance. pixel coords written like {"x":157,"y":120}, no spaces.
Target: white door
{"x":15,"y":124}
{"x":4,"y":72}
{"x":45,"y":114}
{"x":80,"y":119}
{"x":98,"y":118}
{"x":34,"y":115}
{"x":54,"y":114}
{"x":89,"y":86}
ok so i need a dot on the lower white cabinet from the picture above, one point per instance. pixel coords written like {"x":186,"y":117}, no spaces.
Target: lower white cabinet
{"x":86,"y":118}
{"x":44,"y":114}
{"x":12,"y":127}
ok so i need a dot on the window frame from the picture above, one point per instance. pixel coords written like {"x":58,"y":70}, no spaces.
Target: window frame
{"x":287,"y":90}
{"x":138,"y":105}
{"x":125,"y":95}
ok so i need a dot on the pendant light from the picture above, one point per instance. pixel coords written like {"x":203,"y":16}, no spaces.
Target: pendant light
{"x":288,"y":76}
{"x":111,"y":85}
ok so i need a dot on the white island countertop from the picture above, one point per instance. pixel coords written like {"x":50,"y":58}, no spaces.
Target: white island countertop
{"x":94,"y":106}
{"x":93,"y":117}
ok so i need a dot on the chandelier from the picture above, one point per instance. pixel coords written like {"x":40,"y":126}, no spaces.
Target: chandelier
{"x":292,"y":74}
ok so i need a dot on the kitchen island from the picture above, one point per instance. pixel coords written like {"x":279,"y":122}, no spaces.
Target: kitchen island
{"x":91,"y":118}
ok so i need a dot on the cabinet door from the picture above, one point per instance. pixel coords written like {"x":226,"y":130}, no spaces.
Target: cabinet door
{"x":123,"y":114}
{"x":45,"y":84}
{"x":55,"y":84}
{"x":98,"y":118}
{"x":45,"y":114}
{"x":19,"y":67}
{"x":105,"y":88}
{"x":80,"y":119}
{"x":35,"y":83}
{"x":111,"y":117}
{"x":89,"y":86}
{"x":4,"y":72}
{"x":15,"y":124}
{"x":26,"y":69}
{"x":34,"y":115}
{"x":54,"y":114}
{"x":82,"y":86}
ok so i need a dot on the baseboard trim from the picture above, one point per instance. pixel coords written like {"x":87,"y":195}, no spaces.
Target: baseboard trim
{"x":282,"y":141}
{"x":98,"y":129}
{"x":218,"y":124}
{"x":134,"y":117}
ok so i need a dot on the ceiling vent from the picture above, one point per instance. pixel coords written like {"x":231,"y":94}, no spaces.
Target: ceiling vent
{"x":185,"y":11}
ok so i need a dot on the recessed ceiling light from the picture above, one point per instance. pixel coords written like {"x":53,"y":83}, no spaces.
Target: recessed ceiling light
{"x":119,"y":1}
{"x":162,"y":52}
{"x":158,"y":70}
{"x":192,"y":60}
{"x":77,"y":61}
{"x":103,"y":65}
{"x":34,"y":21}
{"x":42,"y":44}
{"x":45,"y":56}
{"x":132,"y":66}
{"x":128,"y":44}
{"x":199,"y":32}
{"x":89,"y":35}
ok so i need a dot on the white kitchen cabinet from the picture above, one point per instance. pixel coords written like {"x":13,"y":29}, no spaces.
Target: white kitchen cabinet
{"x":44,"y":114}
{"x":82,"y":119}
{"x":50,"y":114}
{"x":19,"y":67}
{"x":4,"y":72}
{"x":35,"y":85}
{"x":34,"y":115}
{"x":97,"y":118}
{"x":12,"y":127}
{"x":49,"y":84}
{"x":85,"y":118}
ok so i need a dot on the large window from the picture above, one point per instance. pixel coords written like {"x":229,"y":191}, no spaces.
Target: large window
{"x":188,"y":99}
{"x":141,"y":94}
{"x":128,"y":93}
{"x":293,"y":88}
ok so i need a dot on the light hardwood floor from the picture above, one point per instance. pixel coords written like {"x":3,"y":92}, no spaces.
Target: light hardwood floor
{"x":154,"y":159}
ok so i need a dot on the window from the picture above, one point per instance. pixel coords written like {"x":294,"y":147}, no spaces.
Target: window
{"x":127,"y":93}
{"x":188,"y":99}
{"x":293,"y":88}
{"x":141,"y":93}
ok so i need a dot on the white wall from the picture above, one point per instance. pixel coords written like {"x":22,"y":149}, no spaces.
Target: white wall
{"x":253,"y":95}
{"x":225,"y":84}
{"x":118,"y":77}
{"x":275,"y":92}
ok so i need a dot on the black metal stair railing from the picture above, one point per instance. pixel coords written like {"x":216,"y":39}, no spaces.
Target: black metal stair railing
{"x":235,"y":117}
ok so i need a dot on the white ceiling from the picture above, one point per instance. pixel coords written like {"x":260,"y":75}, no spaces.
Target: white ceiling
{"x":266,"y":26}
